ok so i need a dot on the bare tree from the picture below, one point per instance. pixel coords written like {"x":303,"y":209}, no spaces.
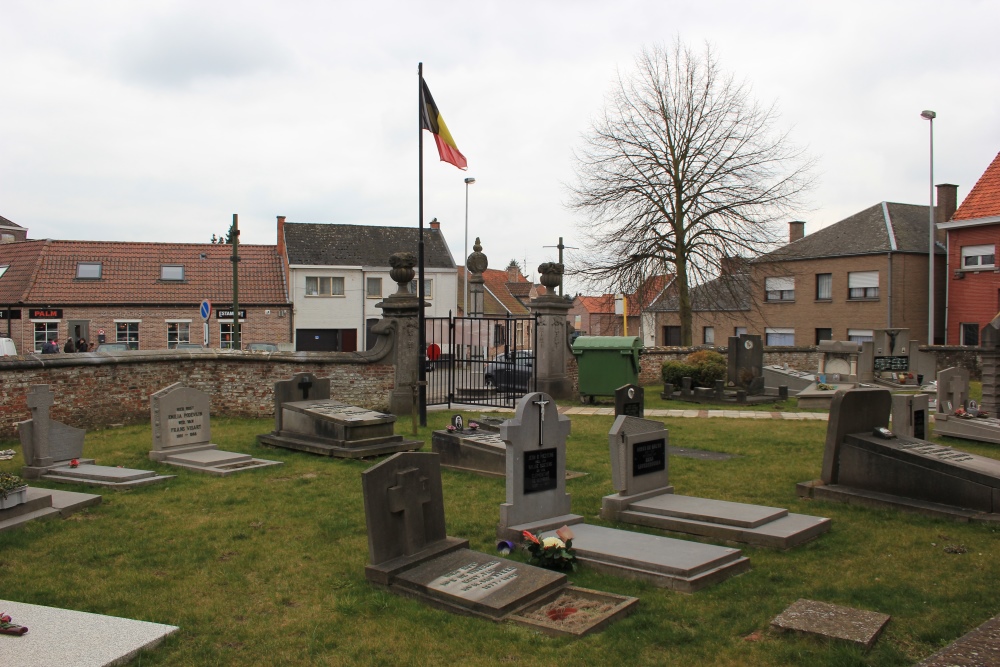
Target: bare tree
{"x":682,"y":169}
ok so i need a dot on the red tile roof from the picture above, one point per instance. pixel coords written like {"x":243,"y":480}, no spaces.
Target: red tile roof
{"x":22,"y":261}
{"x":983,"y":200}
{"x":130,"y":273}
{"x":638,"y":301}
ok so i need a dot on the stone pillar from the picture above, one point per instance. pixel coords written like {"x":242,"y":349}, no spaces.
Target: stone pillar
{"x":400,"y":321}
{"x":477,"y":263}
{"x":552,"y":351}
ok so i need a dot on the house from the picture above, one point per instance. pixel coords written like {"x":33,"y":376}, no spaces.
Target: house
{"x":973,"y":233}
{"x":507,"y":294}
{"x":865,"y":272}
{"x":338,"y":273}
{"x":11,"y":232}
{"x":603,"y":316}
{"x":147,"y":295}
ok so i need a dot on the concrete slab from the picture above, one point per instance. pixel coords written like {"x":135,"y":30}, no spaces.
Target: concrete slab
{"x":45,"y":504}
{"x":65,"y":637}
{"x":96,"y":475}
{"x":209,"y":458}
{"x":979,"y":647}
{"x":709,"y":510}
{"x":784,"y":533}
{"x":832,"y":621}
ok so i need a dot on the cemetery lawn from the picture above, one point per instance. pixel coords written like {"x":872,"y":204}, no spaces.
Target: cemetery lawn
{"x":266,"y":567}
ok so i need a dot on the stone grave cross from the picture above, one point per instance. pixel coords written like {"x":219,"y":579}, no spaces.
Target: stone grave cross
{"x":953,"y":389}
{"x":541,"y":420}
{"x":40,"y":399}
{"x":304,"y":385}
{"x":408,"y":498}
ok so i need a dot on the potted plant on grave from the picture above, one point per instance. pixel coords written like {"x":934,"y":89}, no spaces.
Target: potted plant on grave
{"x":552,"y":553}
{"x":13,"y":490}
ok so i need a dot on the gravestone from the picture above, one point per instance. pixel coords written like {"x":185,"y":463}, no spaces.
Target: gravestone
{"x":837,"y":371}
{"x":307,"y":419}
{"x":45,"y":504}
{"x":457,"y":422}
{"x":640,"y":473}
{"x":865,"y":465}
{"x":630,"y":400}
{"x":182,"y":434}
{"x":411,"y":554}
{"x":468,"y":450}
{"x":910,"y":415}
{"x":971,"y":423}
{"x":49,"y":447}
{"x":832,"y":621}
{"x":537,"y":502}
{"x":745,"y":367}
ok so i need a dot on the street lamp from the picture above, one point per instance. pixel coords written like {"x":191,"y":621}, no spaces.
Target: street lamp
{"x":930,"y":115}
{"x":465,"y":257}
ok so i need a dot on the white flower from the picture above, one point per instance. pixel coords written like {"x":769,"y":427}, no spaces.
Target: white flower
{"x":549,"y":542}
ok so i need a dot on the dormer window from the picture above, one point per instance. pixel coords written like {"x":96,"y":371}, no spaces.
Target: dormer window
{"x":174,"y":272}
{"x":3,"y":269}
{"x":88,"y":270}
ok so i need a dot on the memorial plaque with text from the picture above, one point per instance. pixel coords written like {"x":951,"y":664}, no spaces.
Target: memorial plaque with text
{"x":649,"y":457}
{"x":540,"y":470}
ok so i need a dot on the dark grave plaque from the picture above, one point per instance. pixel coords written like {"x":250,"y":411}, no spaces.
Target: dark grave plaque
{"x":649,"y":457}
{"x":919,"y":424}
{"x":540,"y":470}
{"x":457,"y":422}
{"x":630,"y":401}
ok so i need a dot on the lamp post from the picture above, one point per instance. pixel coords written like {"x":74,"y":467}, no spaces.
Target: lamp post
{"x":465,"y":256}
{"x":930,"y":115}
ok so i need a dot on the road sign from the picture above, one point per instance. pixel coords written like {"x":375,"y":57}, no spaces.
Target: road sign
{"x":206,"y":309}
{"x":100,"y":332}
{"x":433,"y":351}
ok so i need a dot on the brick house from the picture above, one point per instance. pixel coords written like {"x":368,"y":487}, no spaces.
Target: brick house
{"x":506,"y":293}
{"x":595,"y":315}
{"x":865,"y":272}
{"x":144,"y":294}
{"x":338,"y":273}
{"x":973,"y":233}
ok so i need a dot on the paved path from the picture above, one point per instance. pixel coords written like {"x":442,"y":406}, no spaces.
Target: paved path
{"x":609,"y":411}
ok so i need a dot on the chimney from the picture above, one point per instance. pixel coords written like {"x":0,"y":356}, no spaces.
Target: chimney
{"x":435,"y":224}
{"x":796,"y":230}
{"x":513,"y":273}
{"x":947,"y":203}
{"x":281,"y":235}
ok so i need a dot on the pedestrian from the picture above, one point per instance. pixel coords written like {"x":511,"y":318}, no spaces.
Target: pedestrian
{"x":51,"y":346}
{"x":69,"y":346}
{"x":81,"y":345}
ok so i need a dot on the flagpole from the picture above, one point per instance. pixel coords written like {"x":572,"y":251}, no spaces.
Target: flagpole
{"x":422,"y":335}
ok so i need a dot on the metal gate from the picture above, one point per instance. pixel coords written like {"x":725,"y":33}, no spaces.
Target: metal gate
{"x":480,"y":360}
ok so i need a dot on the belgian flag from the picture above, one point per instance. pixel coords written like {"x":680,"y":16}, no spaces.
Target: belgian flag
{"x":431,"y":120}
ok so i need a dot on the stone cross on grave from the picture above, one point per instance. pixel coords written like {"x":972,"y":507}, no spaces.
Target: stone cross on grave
{"x":40,"y":399}
{"x":541,"y":418}
{"x":304,"y":385}
{"x":953,"y":389}
{"x":408,"y":498}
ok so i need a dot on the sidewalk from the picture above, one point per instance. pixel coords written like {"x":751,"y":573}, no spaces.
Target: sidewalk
{"x":610,"y":411}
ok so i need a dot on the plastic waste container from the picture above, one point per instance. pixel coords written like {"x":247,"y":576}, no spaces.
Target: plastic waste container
{"x":606,"y":363}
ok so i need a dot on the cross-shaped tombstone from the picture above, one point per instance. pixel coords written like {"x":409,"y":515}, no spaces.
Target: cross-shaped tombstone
{"x":40,"y":399}
{"x":304,"y":385}
{"x":298,"y":388}
{"x":953,"y":389}
{"x":408,"y":498}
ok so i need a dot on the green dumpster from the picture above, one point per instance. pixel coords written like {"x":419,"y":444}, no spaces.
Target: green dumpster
{"x":606,"y":363}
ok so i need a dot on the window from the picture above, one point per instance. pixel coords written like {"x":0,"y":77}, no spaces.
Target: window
{"x":171,"y":272}
{"x":672,"y":336}
{"x":374,"y":288}
{"x":88,"y":270}
{"x":860,"y":335}
{"x":226,"y":334}
{"x":978,"y":257}
{"x":741,"y":331}
{"x":970,"y":333}
{"x":324,"y":286}
{"x":3,"y":269}
{"x":823,"y":334}
{"x":428,"y":287}
{"x":824,"y":286}
{"x":128,"y":332}
{"x":779,"y":337}
{"x":44,"y":332}
{"x":708,"y":337}
{"x":178,"y":332}
{"x":862,"y":285}
{"x":780,"y":289}
{"x":6,"y":238}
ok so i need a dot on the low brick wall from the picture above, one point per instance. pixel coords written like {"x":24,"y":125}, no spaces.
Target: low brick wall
{"x":652,"y":359}
{"x":94,"y":390}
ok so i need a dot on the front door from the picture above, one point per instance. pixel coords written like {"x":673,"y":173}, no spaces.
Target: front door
{"x":80,"y":329}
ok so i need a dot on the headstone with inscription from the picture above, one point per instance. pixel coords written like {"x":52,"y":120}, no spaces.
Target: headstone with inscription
{"x":958,"y":416}
{"x":50,"y":449}
{"x":182,"y":434}
{"x":865,"y":463}
{"x":911,"y":415}
{"x":630,"y":400}
{"x":411,"y":554}
{"x":308,"y":420}
{"x":537,"y":502}
{"x":640,"y":473}
{"x":745,"y":368}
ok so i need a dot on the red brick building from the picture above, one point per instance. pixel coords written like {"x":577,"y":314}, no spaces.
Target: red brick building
{"x":973,"y":275}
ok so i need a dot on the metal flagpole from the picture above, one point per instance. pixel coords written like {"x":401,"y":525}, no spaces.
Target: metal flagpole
{"x":422,"y":334}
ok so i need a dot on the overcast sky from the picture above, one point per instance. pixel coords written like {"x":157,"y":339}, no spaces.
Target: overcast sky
{"x":157,"y":120}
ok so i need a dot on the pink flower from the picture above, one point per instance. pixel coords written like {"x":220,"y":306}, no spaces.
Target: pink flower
{"x":75,"y":463}
{"x":4,"y":618}
{"x":565,"y":534}
{"x":529,"y":536}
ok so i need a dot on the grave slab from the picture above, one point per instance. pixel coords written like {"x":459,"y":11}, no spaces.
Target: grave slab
{"x":977,"y":648}
{"x":65,"y":637}
{"x":832,"y":621}
{"x":182,"y":434}
{"x":471,"y":451}
{"x":953,"y":393}
{"x":645,"y":497}
{"x":411,"y":554}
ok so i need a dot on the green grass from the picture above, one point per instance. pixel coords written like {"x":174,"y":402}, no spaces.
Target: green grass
{"x":267,"y":567}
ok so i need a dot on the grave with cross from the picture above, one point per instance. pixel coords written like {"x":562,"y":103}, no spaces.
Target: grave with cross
{"x":411,"y":554}
{"x":537,"y":502}
{"x":182,"y":434}
{"x":50,"y":449}
{"x":953,"y":393}
{"x":307,"y":419}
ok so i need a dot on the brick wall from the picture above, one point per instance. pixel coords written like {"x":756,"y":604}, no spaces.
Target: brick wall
{"x":974,"y":297}
{"x":652,"y":359}
{"x":95,"y":390}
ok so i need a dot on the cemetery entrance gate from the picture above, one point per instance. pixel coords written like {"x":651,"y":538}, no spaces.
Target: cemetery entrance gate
{"x":480,"y":360}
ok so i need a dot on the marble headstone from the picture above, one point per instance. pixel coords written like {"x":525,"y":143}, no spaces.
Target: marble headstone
{"x":639,"y":456}
{"x":630,"y":400}
{"x":911,"y":415}
{"x":953,"y":389}
{"x":746,"y":363}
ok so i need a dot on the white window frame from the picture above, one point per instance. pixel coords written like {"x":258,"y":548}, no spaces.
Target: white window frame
{"x":862,"y":285}
{"x":779,"y":332}
{"x":829,"y":287}
{"x":708,"y":335}
{"x":368,"y":287}
{"x":165,"y":270}
{"x":80,"y":270}
{"x":178,"y":337}
{"x":978,"y":257}
{"x":861,"y":335}
{"x":777,"y":289}
{"x":325,"y":286}
{"x":428,"y":287}
{"x":226,"y":333}
{"x":50,"y":332}
{"x":118,"y":333}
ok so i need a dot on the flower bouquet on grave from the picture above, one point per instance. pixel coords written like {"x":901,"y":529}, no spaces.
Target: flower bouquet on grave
{"x":552,"y":553}
{"x":9,"y":483}
{"x":452,"y":428}
{"x":473,"y":426}
{"x":8,"y":628}
{"x":962,"y":414}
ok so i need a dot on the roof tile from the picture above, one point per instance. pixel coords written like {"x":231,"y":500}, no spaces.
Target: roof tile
{"x":983,"y":201}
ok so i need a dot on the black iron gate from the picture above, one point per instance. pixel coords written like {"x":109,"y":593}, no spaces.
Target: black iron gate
{"x":480,"y":360}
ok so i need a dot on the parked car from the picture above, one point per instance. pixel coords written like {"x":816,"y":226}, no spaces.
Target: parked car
{"x":189,"y":346}
{"x":511,"y":371}
{"x":112,"y":348}
{"x":262,"y":347}
{"x":7,"y":348}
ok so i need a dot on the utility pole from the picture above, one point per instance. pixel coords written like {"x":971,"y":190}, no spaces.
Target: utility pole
{"x":561,"y":248}
{"x":235,"y":259}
